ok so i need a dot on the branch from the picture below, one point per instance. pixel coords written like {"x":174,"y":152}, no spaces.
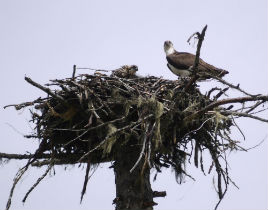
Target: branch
{"x":85,"y":181}
{"x":58,"y":159}
{"x":142,"y":150}
{"x":199,"y":45}
{"x":242,"y":114}
{"x":16,"y":156}
{"x":96,"y":127}
{"x":159,"y":194}
{"x":197,"y":56}
{"x":222,"y":102}
{"x":234,"y":100}
{"x":114,"y":133}
{"x":47,"y":90}
{"x":37,"y":182}
{"x":255,"y":106}
{"x":22,"y":105}
{"x":237,"y":87}
{"x":74,"y":71}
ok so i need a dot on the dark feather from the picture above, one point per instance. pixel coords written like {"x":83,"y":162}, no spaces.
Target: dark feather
{"x":184,"y":60}
{"x":180,"y":60}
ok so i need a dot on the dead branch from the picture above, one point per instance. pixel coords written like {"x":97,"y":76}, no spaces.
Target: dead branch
{"x":243,"y":114}
{"x":74,"y":71}
{"x":37,"y":182}
{"x":112,"y":134}
{"x":85,"y":181}
{"x":26,"y":104}
{"x":197,"y":56}
{"x":47,"y":90}
{"x":159,"y":194}
{"x":142,"y":150}
{"x":236,"y":87}
{"x":223,"y":102}
{"x":58,"y":159}
{"x":255,"y":106}
{"x":15,"y":182}
{"x":89,"y":117}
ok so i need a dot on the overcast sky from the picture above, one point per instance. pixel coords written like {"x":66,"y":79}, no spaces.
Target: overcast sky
{"x":43,"y":39}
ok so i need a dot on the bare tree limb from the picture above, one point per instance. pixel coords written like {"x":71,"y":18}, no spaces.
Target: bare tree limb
{"x":37,"y":182}
{"x":25,"y":104}
{"x":237,"y":87}
{"x":47,"y":90}
{"x":197,"y":56}
{"x":243,"y":114}
{"x":159,"y":194}
{"x":222,"y":102}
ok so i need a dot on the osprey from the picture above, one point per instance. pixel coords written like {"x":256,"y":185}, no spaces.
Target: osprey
{"x":126,"y":71}
{"x":181,"y":63}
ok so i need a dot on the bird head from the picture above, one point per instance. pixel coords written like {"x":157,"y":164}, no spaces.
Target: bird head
{"x":134,"y":68}
{"x":168,"y":47}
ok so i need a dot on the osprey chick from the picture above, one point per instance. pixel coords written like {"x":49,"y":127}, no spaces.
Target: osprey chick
{"x":181,"y":63}
{"x":126,"y":71}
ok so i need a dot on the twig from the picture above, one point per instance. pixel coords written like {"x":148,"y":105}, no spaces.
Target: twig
{"x":85,"y":182}
{"x":58,"y":159}
{"x":93,"y":128}
{"x":237,"y":87}
{"x":159,"y":194}
{"x":255,"y":106}
{"x":94,"y":94}
{"x":217,"y":205}
{"x":74,"y":70}
{"x":47,"y":90}
{"x":258,"y":143}
{"x":15,"y":181}
{"x":225,"y":101}
{"x":243,"y":114}
{"x":25,"y":104}
{"x":238,"y":128}
{"x":126,"y":86}
{"x":142,"y":150}
{"x":194,"y":34}
{"x":38,"y":181}
{"x":198,"y":127}
{"x":114,"y":133}
{"x":220,"y":93}
{"x":72,"y":161}
{"x":93,"y":69}
{"x":16,"y":156}
{"x":212,"y":90}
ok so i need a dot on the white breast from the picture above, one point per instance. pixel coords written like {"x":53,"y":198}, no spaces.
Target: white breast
{"x":179,"y":72}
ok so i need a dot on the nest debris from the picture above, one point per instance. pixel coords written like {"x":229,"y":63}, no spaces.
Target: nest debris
{"x":91,"y":118}
{"x":98,"y":114}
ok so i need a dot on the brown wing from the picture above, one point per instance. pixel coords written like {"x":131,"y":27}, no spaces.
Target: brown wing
{"x":205,"y":66}
{"x":181,"y":60}
{"x":210,"y":69}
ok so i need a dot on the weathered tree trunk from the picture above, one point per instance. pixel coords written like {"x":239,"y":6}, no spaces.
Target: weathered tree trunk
{"x":133,"y":190}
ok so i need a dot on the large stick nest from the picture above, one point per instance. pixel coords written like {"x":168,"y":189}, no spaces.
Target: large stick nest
{"x":93,"y":118}
{"x":98,"y":115}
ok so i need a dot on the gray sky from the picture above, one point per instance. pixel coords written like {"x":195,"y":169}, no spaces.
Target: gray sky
{"x":43,"y":39}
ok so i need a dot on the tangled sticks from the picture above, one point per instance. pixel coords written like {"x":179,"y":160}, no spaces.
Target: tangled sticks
{"x":94,"y":114}
{"x":92,"y":118}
